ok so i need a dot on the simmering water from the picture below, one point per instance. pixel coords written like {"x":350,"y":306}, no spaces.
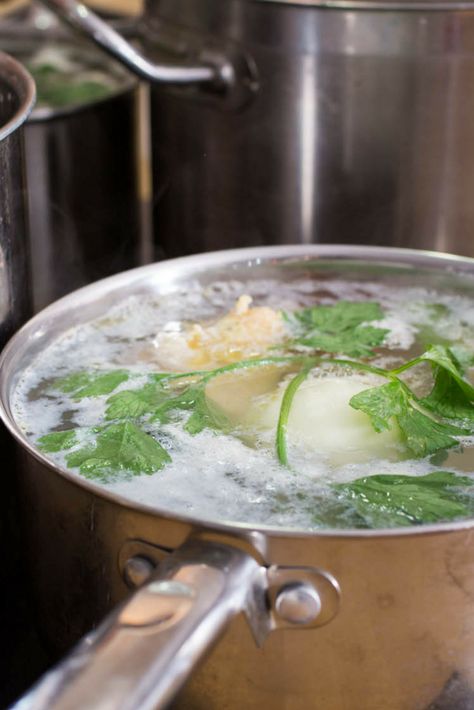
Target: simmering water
{"x":235,"y":474}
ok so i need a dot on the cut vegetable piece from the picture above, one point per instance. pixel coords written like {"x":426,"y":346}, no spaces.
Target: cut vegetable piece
{"x":321,"y":421}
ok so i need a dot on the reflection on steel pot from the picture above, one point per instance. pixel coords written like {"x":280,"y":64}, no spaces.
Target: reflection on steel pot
{"x":345,"y":618}
{"x":338,"y":121}
{"x":85,"y":202}
{"x":17,"y":95}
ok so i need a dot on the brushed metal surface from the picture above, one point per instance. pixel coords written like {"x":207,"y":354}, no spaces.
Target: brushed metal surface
{"x":360,"y":131}
{"x":87,"y":216}
{"x":17,"y":94}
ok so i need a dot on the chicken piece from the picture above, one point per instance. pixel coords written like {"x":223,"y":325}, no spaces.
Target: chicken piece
{"x":243,"y":333}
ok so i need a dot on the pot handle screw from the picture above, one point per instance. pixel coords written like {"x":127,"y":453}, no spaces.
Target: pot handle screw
{"x":298,"y":603}
{"x":137,"y":570}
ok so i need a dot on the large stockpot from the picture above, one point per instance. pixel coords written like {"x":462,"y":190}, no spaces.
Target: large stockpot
{"x":346,"y":619}
{"x":315,"y":121}
{"x":17,"y":95}
{"x":86,"y":199}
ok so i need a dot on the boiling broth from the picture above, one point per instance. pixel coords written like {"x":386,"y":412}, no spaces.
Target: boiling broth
{"x":234,"y":473}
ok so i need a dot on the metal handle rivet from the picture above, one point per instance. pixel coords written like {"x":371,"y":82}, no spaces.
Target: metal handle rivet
{"x":137,"y":570}
{"x":298,"y":603}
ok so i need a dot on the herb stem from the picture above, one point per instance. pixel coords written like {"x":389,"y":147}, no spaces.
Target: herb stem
{"x":405,"y":366}
{"x":239,"y":365}
{"x":285,"y":407}
{"x":358,"y":366}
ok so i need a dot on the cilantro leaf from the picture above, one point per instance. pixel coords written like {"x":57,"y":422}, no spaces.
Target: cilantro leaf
{"x":387,"y":500}
{"x":57,"y":441}
{"x":91,"y":384}
{"x":339,"y":328}
{"x":423,"y":435}
{"x":119,"y":447}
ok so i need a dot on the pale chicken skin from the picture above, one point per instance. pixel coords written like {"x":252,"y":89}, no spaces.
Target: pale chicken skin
{"x":243,"y":333}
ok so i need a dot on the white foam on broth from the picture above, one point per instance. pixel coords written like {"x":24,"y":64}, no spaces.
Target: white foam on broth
{"x":216,"y":476}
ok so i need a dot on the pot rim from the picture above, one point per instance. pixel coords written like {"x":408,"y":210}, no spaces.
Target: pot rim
{"x":188,"y":266}
{"x":383,"y":5}
{"x":127,"y":82}
{"x":22,"y":83}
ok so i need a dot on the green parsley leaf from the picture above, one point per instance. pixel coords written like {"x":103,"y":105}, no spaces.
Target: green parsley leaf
{"x":423,"y":435}
{"x":464,"y":357}
{"x":164,"y":403}
{"x":135,"y":403}
{"x":339,"y":328}
{"x":441,"y":356}
{"x":119,"y":447}
{"x":192,"y":398}
{"x":57,"y":441}
{"x":91,"y":384}
{"x":448,"y":400}
{"x":387,"y":500}
{"x":452,"y":396}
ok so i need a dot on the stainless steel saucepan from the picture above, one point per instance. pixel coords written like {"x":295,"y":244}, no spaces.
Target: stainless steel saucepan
{"x":346,"y":619}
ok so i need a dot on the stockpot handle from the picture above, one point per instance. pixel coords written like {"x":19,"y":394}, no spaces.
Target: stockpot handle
{"x":80,"y":17}
{"x":143,"y":652}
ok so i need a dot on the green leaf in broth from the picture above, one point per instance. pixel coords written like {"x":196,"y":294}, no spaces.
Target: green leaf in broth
{"x":448,"y":400}
{"x":91,"y":384}
{"x":57,"y":441}
{"x":452,"y":396}
{"x":423,"y":435}
{"x":464,"y":356}
{"x":119,"y":447}
{"x":386,"y":500}
{"x":443,"y":359}
{"x":339,"y":328}
{"x":136,"y":403}
{"x":192,"y":398}
{"x":339,"y":317}
{"x":205,"y":415}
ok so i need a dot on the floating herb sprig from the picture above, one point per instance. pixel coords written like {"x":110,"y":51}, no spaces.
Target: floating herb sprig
{"x":386,"y":500}
{"x":427,"y":424}
{"x":324,"y":334}
{"x":342,"y":327}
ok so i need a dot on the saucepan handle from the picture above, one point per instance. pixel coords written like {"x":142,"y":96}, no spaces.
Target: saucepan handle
{"x":83,"y":19}
{"x":144,"y":651}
